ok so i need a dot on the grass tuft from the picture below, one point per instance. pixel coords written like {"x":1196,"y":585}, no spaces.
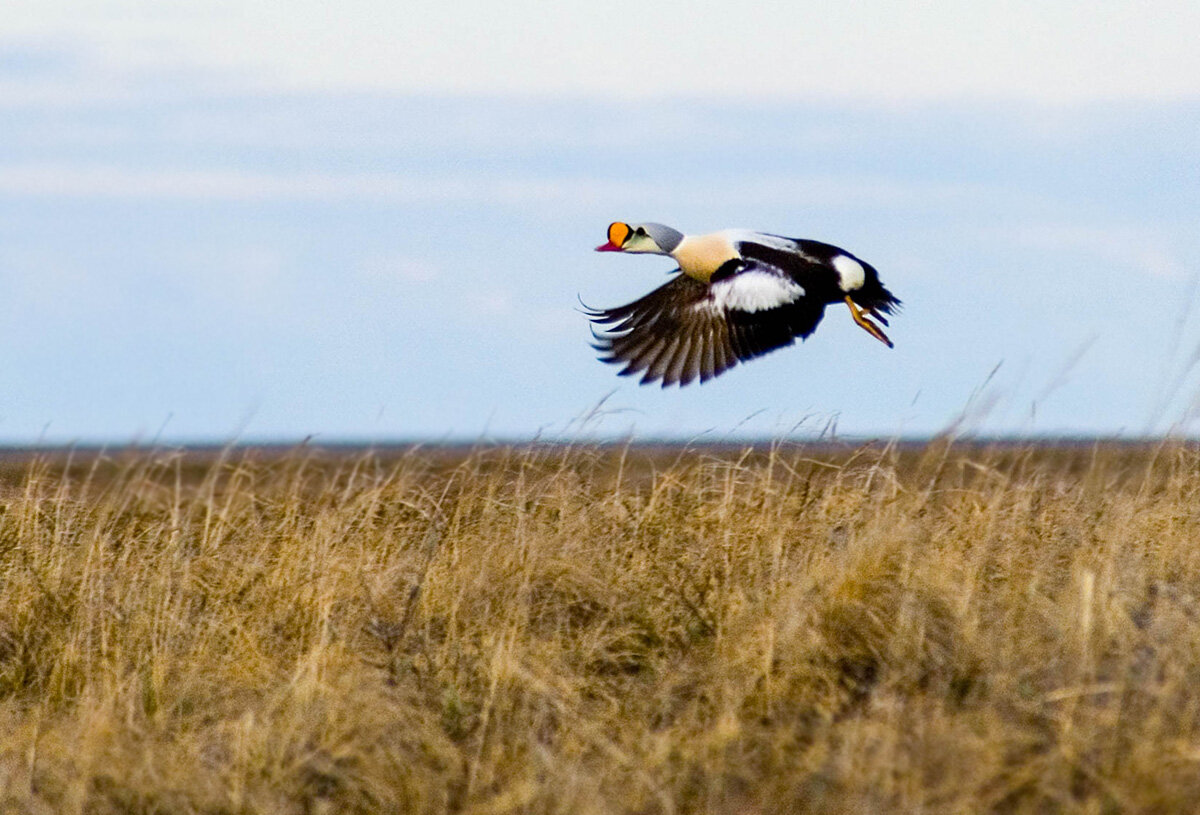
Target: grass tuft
{"x":541,"y":629}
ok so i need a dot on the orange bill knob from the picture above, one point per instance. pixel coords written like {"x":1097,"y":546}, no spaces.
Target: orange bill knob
{"x":618,"y":233}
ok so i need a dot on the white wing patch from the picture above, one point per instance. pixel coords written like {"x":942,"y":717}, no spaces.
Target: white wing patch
{"x":851,"y":274}
{"x":752,"y":291}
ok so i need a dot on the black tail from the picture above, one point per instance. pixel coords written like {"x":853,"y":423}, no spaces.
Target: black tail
{"x":873,"y":295}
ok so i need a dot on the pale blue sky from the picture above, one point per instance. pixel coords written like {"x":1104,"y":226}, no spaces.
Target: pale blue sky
{"x":222,"y":219}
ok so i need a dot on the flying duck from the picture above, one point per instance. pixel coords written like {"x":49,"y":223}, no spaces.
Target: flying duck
{"x":739,"y":294}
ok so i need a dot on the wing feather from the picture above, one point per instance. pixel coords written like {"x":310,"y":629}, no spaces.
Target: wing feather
{"x":690,"y":369}
{"x":722,"y":349}
{"x":675,"y":368}
{"x":662,"y":360}
{"x":686,"y":329}
{"x":641,"y":358}
{"x":708,"y":357}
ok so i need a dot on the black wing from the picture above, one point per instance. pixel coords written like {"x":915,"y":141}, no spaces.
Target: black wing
{"x":687,"y":329}
{"x":814,"y":264}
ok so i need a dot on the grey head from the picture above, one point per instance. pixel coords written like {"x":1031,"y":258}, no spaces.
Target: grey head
{"x":646,"y":239}
{"x":666,"y":237}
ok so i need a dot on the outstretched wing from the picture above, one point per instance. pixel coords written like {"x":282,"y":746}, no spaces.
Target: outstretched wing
{"x":687,"y":329}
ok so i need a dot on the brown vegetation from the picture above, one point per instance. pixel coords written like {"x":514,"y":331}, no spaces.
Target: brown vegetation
{"x":603,"y":630}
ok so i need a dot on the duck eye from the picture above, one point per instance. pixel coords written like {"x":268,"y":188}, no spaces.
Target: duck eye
{"x":641,"y":231}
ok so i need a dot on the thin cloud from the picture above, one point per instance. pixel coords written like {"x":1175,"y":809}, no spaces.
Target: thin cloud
{"x":1141,"y":249}
{"x":61,"y":180}
{"x":71,"y":181}
{"x":875,"y":50}
{"x":398,"y":269}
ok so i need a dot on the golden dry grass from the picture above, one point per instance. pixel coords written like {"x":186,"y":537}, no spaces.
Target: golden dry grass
{"x":603,"y":630}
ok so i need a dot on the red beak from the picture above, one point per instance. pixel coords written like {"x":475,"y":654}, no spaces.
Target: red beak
{"x":608,"y":247}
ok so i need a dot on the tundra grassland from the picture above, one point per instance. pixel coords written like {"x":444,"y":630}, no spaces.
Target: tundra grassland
{"x":933,"y":628}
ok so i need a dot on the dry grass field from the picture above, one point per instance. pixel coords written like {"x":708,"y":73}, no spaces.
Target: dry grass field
{"x":592,"y":630}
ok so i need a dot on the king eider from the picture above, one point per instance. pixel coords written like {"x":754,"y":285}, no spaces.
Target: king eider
{"x":739,"y":294}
